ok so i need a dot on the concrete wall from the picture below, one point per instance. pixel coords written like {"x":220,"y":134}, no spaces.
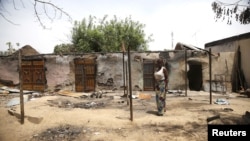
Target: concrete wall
{"x":222,"y":72}
{"x":177,"y":70}
{"x":9,"y":69}
{"x":245,"y":57}
{"x":60,"y":71}
{"x":224,"y":47}
{"x":232,"y":46}
{"x":110,"y":66}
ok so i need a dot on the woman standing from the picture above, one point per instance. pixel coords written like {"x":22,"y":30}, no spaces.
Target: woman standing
{"x":161,"y":81}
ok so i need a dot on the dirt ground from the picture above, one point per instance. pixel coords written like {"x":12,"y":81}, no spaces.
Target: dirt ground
{"x":64,"y":118}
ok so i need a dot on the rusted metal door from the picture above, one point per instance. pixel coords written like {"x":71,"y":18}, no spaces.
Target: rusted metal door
{"x":85,"y":74}
{"x":33,"y":75}
{"x":148,"y":75}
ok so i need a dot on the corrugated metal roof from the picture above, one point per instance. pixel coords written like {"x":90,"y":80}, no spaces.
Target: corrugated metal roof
{"x":181,"y":46}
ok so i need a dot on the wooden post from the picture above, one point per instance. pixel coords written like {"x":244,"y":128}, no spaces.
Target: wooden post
{"x":123,"y":68}
{"x":21,"y":87}
{"x":127,"y":85}
{"x":130,"y":85}
{"x":123,"y":60}
{"x":210,"y":75}
{"x":186,"y":72}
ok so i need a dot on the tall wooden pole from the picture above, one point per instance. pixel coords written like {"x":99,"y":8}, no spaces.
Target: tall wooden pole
{"x":21,"y":87}
{"x":210,"y":75}
{"x":130,"y":85}
{"x":123,"y":73}
{"x":127,"y":85}
{"x":186,"y":72}
{"x":123,"y":60}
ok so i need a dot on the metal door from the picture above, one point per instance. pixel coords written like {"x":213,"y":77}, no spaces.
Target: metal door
{"x":33,"y":75}
{"x":148,"y":75}
{"x":85,"y":73}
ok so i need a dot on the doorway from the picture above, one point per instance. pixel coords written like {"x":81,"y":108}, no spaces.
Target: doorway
{"x":85,"y":74}
{"x":195,"y":76}
{"x":148,"y":75}
{"x":33,"y":74}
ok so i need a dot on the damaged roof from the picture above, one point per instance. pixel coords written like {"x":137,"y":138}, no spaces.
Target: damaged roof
{"x":182,"y":46}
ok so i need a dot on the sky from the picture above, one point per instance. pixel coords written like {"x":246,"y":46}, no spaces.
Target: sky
{"x":191,"y":22}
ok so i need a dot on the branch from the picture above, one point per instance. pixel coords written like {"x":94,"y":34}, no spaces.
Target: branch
{"x":46,"y":5}
{"x":231,"y":4}
{"x":22,"y":3}
{"x":14,"y":4}
{"x":3,"y":9}
{"x":231,"y":10}
{"x":45,"y":11}
{"x":2,"y":15}
{"x":37,"y":16}
{"x":56,"y":8}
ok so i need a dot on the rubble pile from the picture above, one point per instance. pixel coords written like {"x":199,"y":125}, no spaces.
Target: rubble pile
{"x":69,"y":104}
{"x":66,"y":132}
{"x":246,"y":117}
{"x":11,"y":96}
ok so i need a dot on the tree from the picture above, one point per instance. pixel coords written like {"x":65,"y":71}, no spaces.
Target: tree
{"x":64,"y":48}
{"x":102,"y":35}
{"x":41,"y":8}
{"x":238,"y":11}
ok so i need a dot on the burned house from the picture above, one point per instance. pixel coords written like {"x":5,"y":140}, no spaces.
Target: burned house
{"x":85,"y":72}
{"x":198,"y":75}
{"x":236,"y":49}
{"x":188,"y":68}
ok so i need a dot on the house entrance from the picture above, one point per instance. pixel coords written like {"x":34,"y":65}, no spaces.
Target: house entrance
{"x":148,"y":75}
{"x":195,"y":76}
{"x":85,"y":74}
{"x":33,"y":74}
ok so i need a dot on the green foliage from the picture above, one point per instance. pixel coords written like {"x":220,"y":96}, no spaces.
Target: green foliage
{"x":240,"y":11}
{"x":64,"y":49}
{"x":104,"y":35}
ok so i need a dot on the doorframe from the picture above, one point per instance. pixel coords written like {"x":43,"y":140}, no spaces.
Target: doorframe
{"x":31,"y":66}
{"x":150,"y":62}
{"x":85,"y":62}
{"x":194,"y":63}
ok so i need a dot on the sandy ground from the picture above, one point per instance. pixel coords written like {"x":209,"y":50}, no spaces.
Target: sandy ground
{"x":66,"y":118}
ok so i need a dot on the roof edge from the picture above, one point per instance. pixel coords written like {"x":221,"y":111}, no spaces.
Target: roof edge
{"x":229,"y":39}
